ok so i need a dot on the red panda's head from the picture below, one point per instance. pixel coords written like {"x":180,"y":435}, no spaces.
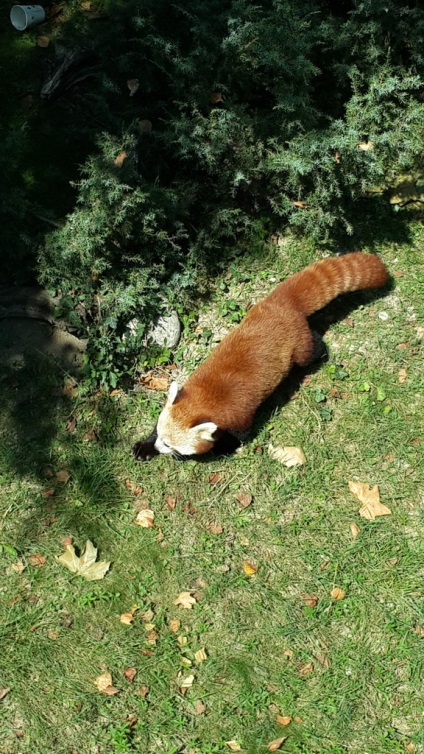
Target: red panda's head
{"x":177,"y":433}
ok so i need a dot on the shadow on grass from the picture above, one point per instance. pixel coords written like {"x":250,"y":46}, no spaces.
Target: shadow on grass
{"x":35,"y":444}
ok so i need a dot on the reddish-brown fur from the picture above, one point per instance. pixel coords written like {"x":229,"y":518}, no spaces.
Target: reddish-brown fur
{"x":249,"y":363}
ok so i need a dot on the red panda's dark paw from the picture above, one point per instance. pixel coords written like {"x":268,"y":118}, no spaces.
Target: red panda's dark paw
{"x":144,"y":450}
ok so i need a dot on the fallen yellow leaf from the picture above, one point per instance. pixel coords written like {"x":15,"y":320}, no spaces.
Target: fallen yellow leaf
{"x":283,"y":719}
{"x":366,"y":146}
{"x":120,"y":159}
{"x":402,"y":376}
{"x":233,"y":745}
{"x":85,"y":565}
{"x":355,"y":530}
{"x":370,"y":499}
{"x":306,"y":669}
{"x":145,"y":518}
{"x":105,"y":685}
{"x":174,"y":625}
{"x":249,"y":568}
{"x":187,"y":683}
{"x":276,"y":744}
{"x":200,"y":655}
{"x":186,"y":600}
{"x":288,"y":456}
{"x":337,"y":593}
{"x":127,"y":618}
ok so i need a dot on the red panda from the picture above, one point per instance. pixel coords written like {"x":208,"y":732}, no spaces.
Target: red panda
{"x":223,"y":394}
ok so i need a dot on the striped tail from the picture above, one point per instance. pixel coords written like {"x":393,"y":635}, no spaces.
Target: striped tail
{"x":318,"y":284}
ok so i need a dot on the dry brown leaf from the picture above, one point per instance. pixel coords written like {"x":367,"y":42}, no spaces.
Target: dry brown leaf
{"x":130,"y":674}
{"x":145,"y":518}
{"x":71,"y":424}
{"x":402,"y":376}
{"x":90,"y":436}
{"x":337,"y":593}
{"x":215,"y":528}
{"x":37,"y":560}
{"x":276,"y":744}
{"x":306,"y":669}
{"x":85,"y":565}
{"x":50,"y":492}
{"x":153,"y":382}
{"x":410,"y":747}
{"x":133,"y":85}
{"x":419,"y":630}
{"x":370,"y":499}
{"x":199,"y":708}
{"x":288,"y":456}
{"x":43,"y":41}
{"x":233,"y":745}
{"x":283,"y":719}
{"x":310,"y":600}
{"x":171,"y":502}
{"x":4,"y":692}
{"x":244,"y":498}
{"x":249,"y":568}
{"x":200,"y":656}
{"x":145,"y":126}
{"x":18,"y":567}
{"x":120,"y":159}
{"x":216,"y":98}
{"x":298,"y":719}
{"x":288,"y":653}
{"x":63,"y":476}
{"x":186,"y":600}
{"x":174,"y":625}
{"x":152,"y":637}
{"x":216,"y":478}
{"x":301,"y":205}
{"x":127,"y":618}
{"x":134,"y":488}
{"x":105,"y":685}
{"x":354,"y":529}
{"x":144,"y":690}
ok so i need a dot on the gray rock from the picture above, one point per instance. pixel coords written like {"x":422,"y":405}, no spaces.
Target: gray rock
{"x":166,"y":331}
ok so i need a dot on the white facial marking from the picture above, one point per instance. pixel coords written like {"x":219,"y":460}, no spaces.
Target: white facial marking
{"x":173,"y":438}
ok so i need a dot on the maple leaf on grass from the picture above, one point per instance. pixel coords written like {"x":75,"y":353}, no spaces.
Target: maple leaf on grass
{"x":186,"y":600}
{"x":85,"y":565}
{"x":370,"y":499}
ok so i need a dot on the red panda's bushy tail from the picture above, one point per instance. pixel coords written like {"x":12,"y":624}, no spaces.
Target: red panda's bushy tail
{"x":315,"y":286}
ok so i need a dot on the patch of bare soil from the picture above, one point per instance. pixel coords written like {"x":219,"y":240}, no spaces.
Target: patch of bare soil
{"x":28,"y":326}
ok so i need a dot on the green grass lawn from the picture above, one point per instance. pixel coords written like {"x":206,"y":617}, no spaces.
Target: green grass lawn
{"x":347,"y":672}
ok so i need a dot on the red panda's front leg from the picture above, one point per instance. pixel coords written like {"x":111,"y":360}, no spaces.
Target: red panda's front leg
{"x":145,"y":450}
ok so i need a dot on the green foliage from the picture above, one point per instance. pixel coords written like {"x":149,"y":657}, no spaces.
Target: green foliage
{"x":246,"y":118}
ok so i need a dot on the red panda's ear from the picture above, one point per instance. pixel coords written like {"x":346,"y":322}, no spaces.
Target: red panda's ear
{"x":172,"y":393}
{"x":205,"y":431}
